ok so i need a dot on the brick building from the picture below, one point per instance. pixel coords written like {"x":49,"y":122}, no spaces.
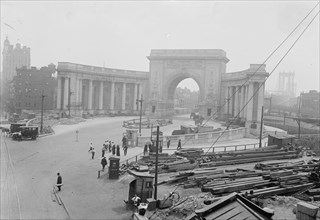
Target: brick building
{"x":28,"y":86}
{"x":310,"y":104}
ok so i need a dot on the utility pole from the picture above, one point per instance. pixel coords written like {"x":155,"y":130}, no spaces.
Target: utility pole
{"x":299,"y":108}
{"x":42,"y":100}
{"x":261,"y":128}
{"x":140,"y":101}
{"x":156,"y":168}
{"x":151,"y":132}
{"x":270,"y":105}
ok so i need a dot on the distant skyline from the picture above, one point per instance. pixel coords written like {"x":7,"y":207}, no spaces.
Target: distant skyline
{"x":121,"y":34}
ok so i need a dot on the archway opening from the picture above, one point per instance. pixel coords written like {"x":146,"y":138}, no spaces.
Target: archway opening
{"x":187,"y":95}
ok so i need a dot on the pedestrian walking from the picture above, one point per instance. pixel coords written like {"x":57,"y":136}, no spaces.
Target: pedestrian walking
{"x":168,"y":142}
{"x":124,"y":141}
{"x":92,"y":153}
{"x":91,"y":147}
{"x":59,"y":182}
{"x":104,"y":163}
{"x":145,"y":150}
{"x":113,"y":149}
{"x":179,"y":145}
{"x":125,"y":149}
{"x":150,"y":148}
{"x":111,"y":146}
{"x":118,"y":150}
{"x":104,"y":148}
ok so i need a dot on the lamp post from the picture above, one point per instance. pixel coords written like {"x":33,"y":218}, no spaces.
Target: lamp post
{"x":156,"y":167}
{"x":137,"y":102}
{"x":42,"y":100}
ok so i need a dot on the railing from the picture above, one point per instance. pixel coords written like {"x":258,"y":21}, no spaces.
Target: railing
{"x":239,"y":147}
{"x":200,"y":138}
{"x":134,"y":158}
{"x":214,"y":149}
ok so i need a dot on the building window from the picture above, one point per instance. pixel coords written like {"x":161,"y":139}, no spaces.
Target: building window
{"x":148,"y":184}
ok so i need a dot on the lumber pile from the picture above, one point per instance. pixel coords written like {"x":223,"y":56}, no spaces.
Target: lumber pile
{"x":162,"y":158}
{"x":190,"y":153}
{"x":252,"y":183}
{"x":302,"y":166}
{"x":179,"y":165}
{"x":246,"y":156}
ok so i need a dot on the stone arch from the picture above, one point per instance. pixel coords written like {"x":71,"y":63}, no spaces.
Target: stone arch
{"x":169,"y":67}
{"x":173,"y":81}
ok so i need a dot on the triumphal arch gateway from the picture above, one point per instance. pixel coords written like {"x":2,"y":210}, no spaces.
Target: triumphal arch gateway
{"x":100,"y":90}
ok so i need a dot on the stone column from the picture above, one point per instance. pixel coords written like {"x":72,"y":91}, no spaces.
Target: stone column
{"x":233,"y":101}
{"x":123,"y":100}
{"x":140,"y":91}
{"x":243,"y":101}
{"x":90,"y":95}
{"x":112,"y":96}
{"x":66,"y":93}
{"x":135,"y":97}
{"x":260,"y":101}
{"x":73,"y":91}
{"x":101,"y":96}
{"x":246,"y":100}
{"x":230,"y":101}
{"x":237,"y":101}
{"x":226,"y":100}
{"x":59,"y":93}
{"x":79,"y":91}
{"x":250,"y":104}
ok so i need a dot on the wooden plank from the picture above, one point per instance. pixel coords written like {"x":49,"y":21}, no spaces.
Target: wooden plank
{"x":313,"y":192}
{"x":237,"y":187}
{"x":249,"y":160}
{"x":279,"y":191}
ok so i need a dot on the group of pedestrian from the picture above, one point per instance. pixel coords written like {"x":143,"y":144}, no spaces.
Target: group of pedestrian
{"x":149,"y":147}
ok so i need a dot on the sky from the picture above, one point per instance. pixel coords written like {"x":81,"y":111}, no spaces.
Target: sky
{"x":121,"y":34}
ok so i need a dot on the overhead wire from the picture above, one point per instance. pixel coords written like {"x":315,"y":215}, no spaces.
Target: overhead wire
{"x":228,"y":99}
{"x":261,"y":84}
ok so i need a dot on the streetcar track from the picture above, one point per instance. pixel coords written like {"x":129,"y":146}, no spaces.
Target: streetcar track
{"x":10,"y":165}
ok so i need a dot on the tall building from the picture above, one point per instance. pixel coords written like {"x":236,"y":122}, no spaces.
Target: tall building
{"x":310,"y":104}
{"x":14,"y":57}
{"x":30,"y":84}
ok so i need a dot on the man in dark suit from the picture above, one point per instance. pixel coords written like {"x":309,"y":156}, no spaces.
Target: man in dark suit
{"x":59,"y":181}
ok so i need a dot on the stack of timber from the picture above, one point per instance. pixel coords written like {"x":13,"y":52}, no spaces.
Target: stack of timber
{"x":302,"y":165}
{"x":251,"y":183}
{"x":179,"y":165}
{"x":246,"y":156}
{"x":190,"y":153}
{"x":162,"y":158}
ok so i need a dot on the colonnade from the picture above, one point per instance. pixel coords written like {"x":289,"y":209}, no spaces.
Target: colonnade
{"x":237,"y":98}
{"x":81,"y":93}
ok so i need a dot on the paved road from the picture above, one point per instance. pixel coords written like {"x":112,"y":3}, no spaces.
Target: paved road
{"x":10,"y":205}
{"x":35,"y":164}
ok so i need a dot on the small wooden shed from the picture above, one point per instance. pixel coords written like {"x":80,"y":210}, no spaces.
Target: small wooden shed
{"x":142,"y":185}
{"x":280,"y":140}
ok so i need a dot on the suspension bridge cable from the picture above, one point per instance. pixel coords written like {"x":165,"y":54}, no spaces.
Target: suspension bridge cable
{"x":255,"y":92}
{"x":228,"y":99}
